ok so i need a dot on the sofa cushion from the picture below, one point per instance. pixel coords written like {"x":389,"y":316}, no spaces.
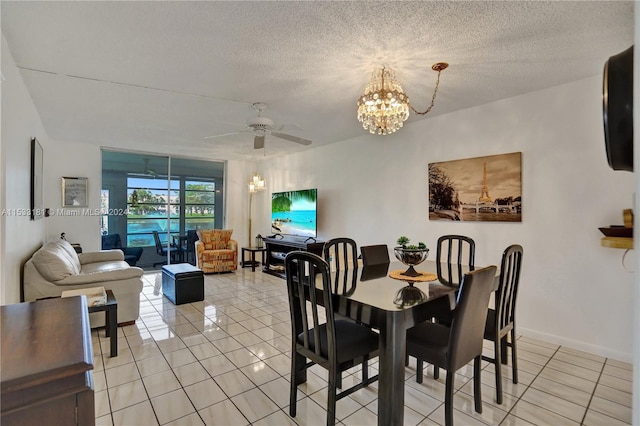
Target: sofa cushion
{"x":57,"y":260}
{"x":215,"y":239}
{"x":222,"y":254}
{"x":71,"y":253}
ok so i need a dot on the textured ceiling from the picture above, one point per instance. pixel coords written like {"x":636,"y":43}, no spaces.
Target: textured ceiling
{"x":160,"y":76}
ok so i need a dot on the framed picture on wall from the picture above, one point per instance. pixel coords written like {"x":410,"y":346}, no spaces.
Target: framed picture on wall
{"x":37,"y":203}
{"x":483,"y":189}
{"x":74,"y":192}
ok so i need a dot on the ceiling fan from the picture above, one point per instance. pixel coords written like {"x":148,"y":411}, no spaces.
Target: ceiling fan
{"x":147,"y":171}
{"x":260,"y":126}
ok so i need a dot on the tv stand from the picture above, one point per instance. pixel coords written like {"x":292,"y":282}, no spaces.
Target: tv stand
{"x":278,"y":248}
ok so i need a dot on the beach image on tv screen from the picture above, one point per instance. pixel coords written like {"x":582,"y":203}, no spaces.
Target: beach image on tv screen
{"x":294,"y":213}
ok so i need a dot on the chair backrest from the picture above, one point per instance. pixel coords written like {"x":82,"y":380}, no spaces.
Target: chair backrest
{"x":452,"y":252}
{"x":375,"y":254}
{"x":469,"y":316}
{"x":338,"y":252}
{"x":160,"y":249}
{"x":505,"y":296}
{"x":342,"y":256}
{"x":111,"y":241}
{"x":215,"y":239}
{"x":192,"y":237}
{"x":308,"y":274}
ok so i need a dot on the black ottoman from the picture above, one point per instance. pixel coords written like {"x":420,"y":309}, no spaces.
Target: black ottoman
{"x":182,"y":283}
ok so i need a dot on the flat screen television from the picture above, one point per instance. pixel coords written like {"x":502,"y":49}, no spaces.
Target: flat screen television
{"x":617,"y":108}
{"x":295,"y":213}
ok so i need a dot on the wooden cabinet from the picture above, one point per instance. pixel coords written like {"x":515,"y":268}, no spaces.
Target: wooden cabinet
{"x":277,"y":249}
{"x":47,"y":358}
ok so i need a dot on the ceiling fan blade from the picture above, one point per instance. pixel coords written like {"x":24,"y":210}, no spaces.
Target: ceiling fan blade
{"x":291,"y":138}
{"x":258,"y":142}
{"x":226,"y":134}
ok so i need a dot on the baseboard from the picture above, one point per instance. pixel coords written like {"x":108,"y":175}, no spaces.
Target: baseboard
{"x":576,"y":344}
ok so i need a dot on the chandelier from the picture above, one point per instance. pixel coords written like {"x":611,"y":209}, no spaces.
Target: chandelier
{"x":256,"y":183}
{"x":384,"y":106}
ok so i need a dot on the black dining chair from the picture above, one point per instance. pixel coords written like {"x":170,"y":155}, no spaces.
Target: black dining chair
{"x":453,"y":347}
{"x":501,"y":321}
{"x":453,"y":251}
{"x":333,"y":344}
{"x":131,"y":254}
{"x":172,"y":252}
{"x":341,"y":253}
{"x":190,"y":248}
{"x":374,"y":254}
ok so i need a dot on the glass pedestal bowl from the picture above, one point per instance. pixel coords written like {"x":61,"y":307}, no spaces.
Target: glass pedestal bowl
{"x":411,"y":258}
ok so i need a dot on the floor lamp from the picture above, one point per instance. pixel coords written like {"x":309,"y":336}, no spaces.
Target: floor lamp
{"x":256,"y":184}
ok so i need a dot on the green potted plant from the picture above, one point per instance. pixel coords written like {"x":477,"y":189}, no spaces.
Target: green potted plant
{"x":410,"y":254}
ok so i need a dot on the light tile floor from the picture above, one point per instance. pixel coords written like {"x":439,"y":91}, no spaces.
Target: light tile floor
{"x":225,"y":361}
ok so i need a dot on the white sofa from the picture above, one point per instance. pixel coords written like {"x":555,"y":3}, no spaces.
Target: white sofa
{"x":56,"y":267}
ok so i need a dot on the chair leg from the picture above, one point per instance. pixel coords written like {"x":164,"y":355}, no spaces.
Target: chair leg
{"x":436,"y":372}
{"x":365,"y":370}
{"x":331,"y":399}
{"x":448,"y":399}
{"x":497,"y":365}
{"x":477,"y":393}
{"x":514,"y":357}
{"x":298,"y":376}
{"x":503,"y":349}
{"x":293,"y":390}
{"x":406,"y":360}
{"x":419,"y":373}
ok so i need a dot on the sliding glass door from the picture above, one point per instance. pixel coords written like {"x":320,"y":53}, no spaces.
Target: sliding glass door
{"x":154,"y":201}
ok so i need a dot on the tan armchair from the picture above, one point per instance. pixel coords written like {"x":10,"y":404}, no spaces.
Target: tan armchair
{"x":216,"y":251}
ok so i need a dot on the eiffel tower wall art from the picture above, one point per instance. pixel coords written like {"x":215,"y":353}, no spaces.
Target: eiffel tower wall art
{"x":486,"y":189}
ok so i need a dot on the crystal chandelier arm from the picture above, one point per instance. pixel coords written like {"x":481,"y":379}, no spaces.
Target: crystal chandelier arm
{"x":436,"y":67}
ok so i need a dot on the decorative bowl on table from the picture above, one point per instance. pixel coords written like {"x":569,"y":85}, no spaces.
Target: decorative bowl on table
{"x":411,"y":257}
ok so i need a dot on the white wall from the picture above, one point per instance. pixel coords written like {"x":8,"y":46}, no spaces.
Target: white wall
{"x":573,"y":291}
{"x":20,"y":122}
{"x":81,"y":225}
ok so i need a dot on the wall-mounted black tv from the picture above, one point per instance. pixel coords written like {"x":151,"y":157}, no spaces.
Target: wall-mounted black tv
{"x":295,"y":213}
{"x":617,"y":109}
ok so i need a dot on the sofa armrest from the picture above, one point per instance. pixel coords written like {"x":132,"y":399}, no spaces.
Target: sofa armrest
{"x":101,"y":276}
{"x":101,"y":256}
{"x":233,"y":245}
{"x":199,"y":245}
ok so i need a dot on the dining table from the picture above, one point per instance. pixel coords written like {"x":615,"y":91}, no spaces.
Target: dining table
{"x":372,"y":297}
